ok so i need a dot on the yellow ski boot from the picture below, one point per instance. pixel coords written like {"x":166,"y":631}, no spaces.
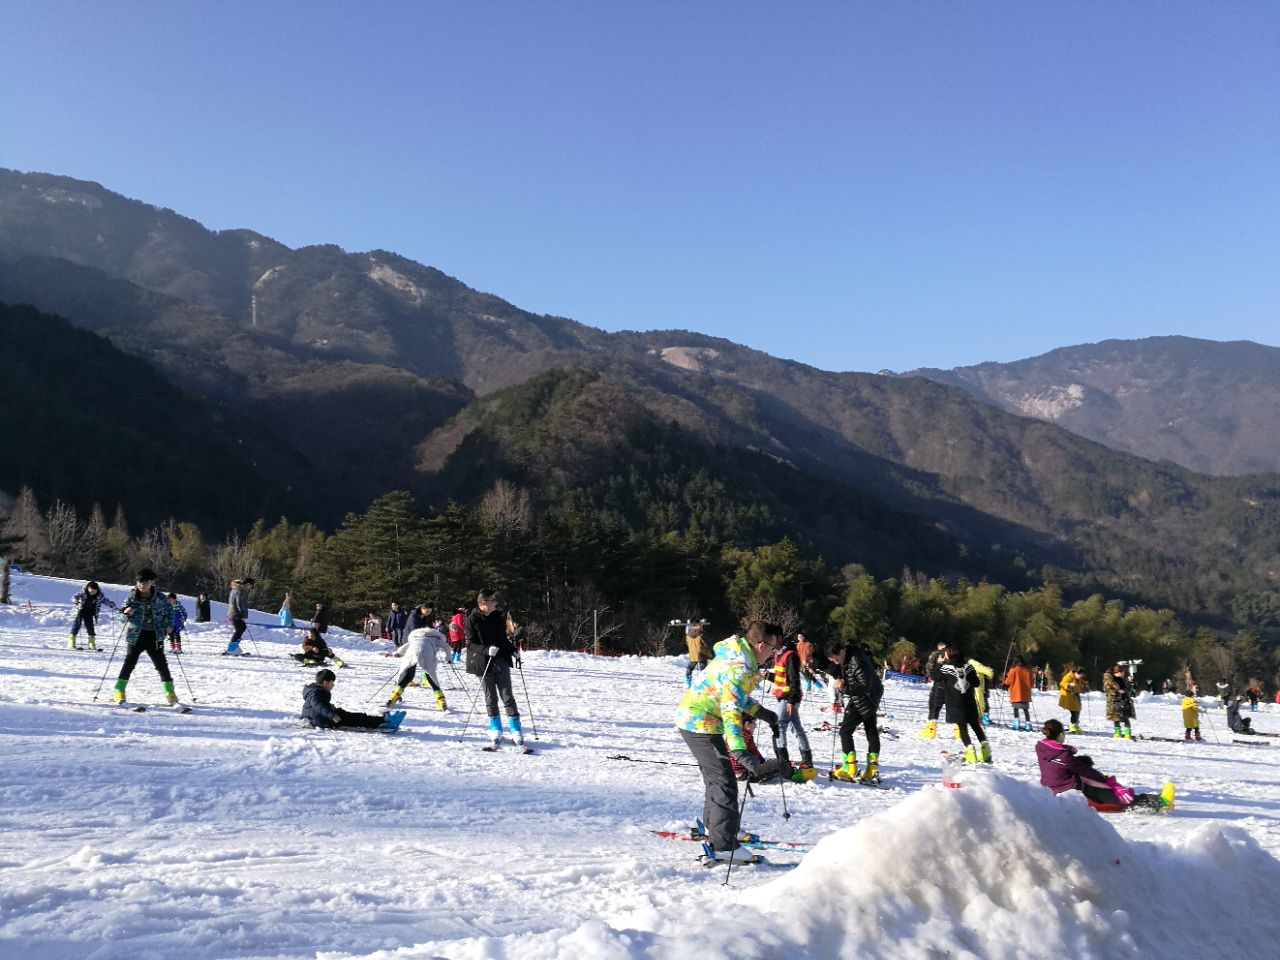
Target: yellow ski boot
{"x":871,"y":773}
{"x":930,"y":730}
{"x":396,"y":694}
{"x":440,"y":701}
{"x":847,"y":770}
{"x":1166,"y":796}
{"x":970,"y":755}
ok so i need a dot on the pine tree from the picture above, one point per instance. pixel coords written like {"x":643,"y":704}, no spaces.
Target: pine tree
{"x":26,"y":526}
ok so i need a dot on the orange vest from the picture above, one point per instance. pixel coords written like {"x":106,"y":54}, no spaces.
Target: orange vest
{"x":780,"y":686}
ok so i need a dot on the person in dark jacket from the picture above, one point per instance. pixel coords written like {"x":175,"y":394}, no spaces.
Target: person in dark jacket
{"x":315,"y":650}
{"x":421,"y":618}
{"x":148,"y":614}
{"x":396,"y":620}
{"x":858,"y":682}
{"x":319,"y":711}
{"x":320,"y":619}
{"x":1063,"y":769}
{"x":490,"y":656}
{"x":238,"y":613}
{"x":936,"y":692}
{"x":177,"y":621}
{"x":1237,"y":723}
{"x":203,"y":614}
{"x":786,"y":687}
{"x":959,"y":681}
{"x":87,"y":602}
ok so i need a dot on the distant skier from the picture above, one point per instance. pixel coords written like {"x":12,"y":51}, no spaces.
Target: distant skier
{"x":147,"y":614}
{"x":959,"y":681}
{"x":937,"y":694}
{"x":315,"y":650}
{"x":1018,"y":682}
{"x":396,"y":621}
{"x":1071,"y":687}
{"x":320,"y":618}
{"x":286,"y":611}
{"x":805,"y":650}
{"x":87,"y":604}
{"x":458,"y":632}
{"x":1062,"y":769}
{"x":1237,"y":723}
{"x":786,"y":688}
{"x":1190,"y":717}
{"x":1224,"y":691}
{"x":319,"y":711}
{"x":238,"y":613}
{"x":1120,"y":710}
{"x":858,"y":681}
{"x":699,"y":651}
{"x":491,"y":656}
{"x":422,"y":648}
{"x":177,"y":620}
{"x":203,"y":614}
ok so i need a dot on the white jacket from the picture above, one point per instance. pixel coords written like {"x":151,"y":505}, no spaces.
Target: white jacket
{"x":424,"y":645}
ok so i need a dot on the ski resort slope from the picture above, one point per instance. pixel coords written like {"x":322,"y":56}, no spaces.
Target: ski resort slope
{"x":236,"y":832}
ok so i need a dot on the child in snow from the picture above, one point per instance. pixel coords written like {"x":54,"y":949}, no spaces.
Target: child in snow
{"x":857,"y":680}
{"x":319,"y":711}
{"x":699,"y":651}
{"x":491,"y":656}
{"x":177,"y":620}
{"x":1062,"y":769}
{"x":936,"y":692}
{"x":1190,"y":717}
{"x":1018,"y":682}
{"x":1070,"y":689}
{"x":457,"y":632}
{"x":315,"y":650}
{"x":1119,"y":702}
{"x":147,"y":614}
{"x":959,"y":681}
{"x":422,"y":648}
{"x":87,"y":603}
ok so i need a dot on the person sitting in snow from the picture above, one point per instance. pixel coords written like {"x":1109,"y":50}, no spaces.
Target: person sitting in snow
{"x":1237,"y":723}
{"x":87,"y":603}
{"x":422,"y":647}
{"x":315,"y":650}
{"x":1190,"y":717}
{"x":319,"y":711}
{"x":1063,"y":769}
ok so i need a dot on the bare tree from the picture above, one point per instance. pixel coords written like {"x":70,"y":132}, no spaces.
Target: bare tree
{"x":155,"y":549}
{"x":234,"y":559}
{"x":26,"y":527}
{"x":95,"y":539}
{"x":506,"y":508}
{"x":772,"y":611}
{"x":65,"y":535}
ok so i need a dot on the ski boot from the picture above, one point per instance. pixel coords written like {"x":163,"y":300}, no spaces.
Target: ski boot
{"x":1128,"y":733}
{"x":393,"y":720}
{"x":517,"y":733}
{"x":970,"y":755}
{"x":847,"y":770}
{"x":711,"y":857}
{"x":806,"y":758}
{"x":1116,"y":734}
{"x":396,"y":693}
{"x":233,"y":650}
{"x":440,"y":702}
{"x":117,"y":695}
{"x":495,"y":735}
{"x":1074,"y":728}
{"x":986,"y":719}
{"x":1197,"y":734}
{"x":871,"y":773}
{"x":91,"y":644}
{"x":339,"y":663}
{"x":1166,"y":796}
{"x":984,"y":751}
{"x":956,"y":729}
{"x":71,"y":642}
{"x":930,"y":730}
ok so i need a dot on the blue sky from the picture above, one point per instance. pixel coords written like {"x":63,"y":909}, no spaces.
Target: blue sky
{"x":857,"y":186}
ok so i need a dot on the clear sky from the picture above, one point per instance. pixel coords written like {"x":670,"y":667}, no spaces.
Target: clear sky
{"x":854,"y":185}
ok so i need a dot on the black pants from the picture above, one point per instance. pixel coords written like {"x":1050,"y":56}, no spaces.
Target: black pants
{"x":406,"y":675}
{"x":147,"y":643}
{"x":1075,"y":717}
{"x":363,"y":720}
{"x":236,"y":634}
{"x":853,"y":720}
{"x":700,"y":664}
{"x":971,"y":719}
{"x":497,"y":683}
{"x":719,"y":788}
{"x":83,"y":619}
{"x":936,"y":697}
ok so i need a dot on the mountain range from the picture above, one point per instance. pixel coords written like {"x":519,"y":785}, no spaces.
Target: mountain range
{"x":368,"y":371}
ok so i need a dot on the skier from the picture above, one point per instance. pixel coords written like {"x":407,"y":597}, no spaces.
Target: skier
{"x":1119,"y":702}
{"x":202,"y":608}
{"x":286,"y":611}
{"x":699,"y":651}
{"x":1190,"y":717}
{"x":1069,"y":690}
{"x":1224,"y":692}
{"x":1018,"y":682}
{"x":319,"y":711}
{"x":1254,"y":694}
{"x":457,"y":632}
{"x":786,"y":688}
{"x":146,"y":613}
{"x":315,"y":650}
{"x":710,"y":720}
{"x":857,"y":679}
{"x":87,"y":603}
{"x":985,"y":674}
{"x":1237,"y":723}
{"x":936,"y":693}
{"x":238,"y":613}
{"x":490,"y":656}
{"x":396,"y":620}
{"x":959,"y":681}
{"x":177,"y":620}
{"x":804,"y":650}
{"x":1062,"y":769}
{"x":422,"y":648}
{"x":421,"y":617}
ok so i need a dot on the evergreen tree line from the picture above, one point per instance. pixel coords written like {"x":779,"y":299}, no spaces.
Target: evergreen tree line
{"x":588,"y":580}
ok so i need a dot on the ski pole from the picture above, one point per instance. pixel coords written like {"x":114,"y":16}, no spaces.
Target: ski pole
{"x":107,"y":668}
{"x":475,"y":700}
{"x":457,"y":677}
{"x":669,"y":763}
{"x":1212,"y":728}
{"x":782,"y":783}
{"x":384,"y":685}
{"x":532,"y":721}
{"x":252,"y":639}
{"x":742,"y":810}
{"x":183,"y":671}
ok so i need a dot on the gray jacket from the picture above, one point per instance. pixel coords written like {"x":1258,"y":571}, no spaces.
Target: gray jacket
{"x":238,"y":605}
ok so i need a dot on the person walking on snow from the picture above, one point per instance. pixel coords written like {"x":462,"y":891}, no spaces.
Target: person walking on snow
{"x":857,"y":679}
{"x":422,"y":647}
{"x":177,"y":620}
{"x":786,"y":688}
{"x":87,"y":603}
{"x":319,"y":711}
{"x":710,"y":719}
{"x":804,"y":650}
{"x":1018,"y":682}
{"x":320,"y":619}
{"x":1119,"y":702}
{"x":936,"y":693}
{"x":699,"y":651}
{"x":203,"y":613}
{"x":491,"y":656}
{"x":238,"y":613}
{"x":458,"y":632}
{"x":960,"y":681}
{"x":1069,"y":691}
{"x":147,"y":614}
{"x":1062,"y":769}
{"x":396,"y":621}
{"x":1190,"y":717}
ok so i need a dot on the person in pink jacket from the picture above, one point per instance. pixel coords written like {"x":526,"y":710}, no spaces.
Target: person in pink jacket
{"x":1063,"y":769}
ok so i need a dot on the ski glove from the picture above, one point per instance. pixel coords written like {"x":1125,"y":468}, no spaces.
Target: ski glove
{"x":748,"y":761}
{"x":770,"y":720}
{"x":493,"y":651}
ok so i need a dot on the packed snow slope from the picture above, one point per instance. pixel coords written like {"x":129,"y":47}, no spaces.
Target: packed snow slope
{"x":236,"y":832}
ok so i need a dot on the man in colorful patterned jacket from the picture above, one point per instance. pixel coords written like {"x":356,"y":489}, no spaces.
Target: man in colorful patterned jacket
{"x":710,"y":720}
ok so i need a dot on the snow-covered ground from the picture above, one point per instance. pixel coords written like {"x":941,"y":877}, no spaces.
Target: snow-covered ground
{"x":234,"y":831}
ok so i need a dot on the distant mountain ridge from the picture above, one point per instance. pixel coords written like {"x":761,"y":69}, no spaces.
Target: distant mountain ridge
{"x":1211,"y":406}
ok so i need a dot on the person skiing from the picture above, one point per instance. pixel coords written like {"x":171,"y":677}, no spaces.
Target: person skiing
{"x":857,"y":680}
{"x":396,"y":620}
{"x":147,"y":614}
{"x":710,"y":720}
{"x":177,"y":620}
{"x":1119,"y":702}
{"x":491,"y":656}
{"x":421,"y":617}
{"x":319,"y":711}
{"x":238,"y":614}
{"x":315,"y":650}
{"x":1069,"y":690}
{"x":1018,"y":682}
{"x":203,"y":613}
{"x":1237,"y":723}
{"x":1062,"y":770}
{"x":87,"y":604}
{"x":422,"y":648}
{"x":960,"y":680}
{"x":1224,"y":691}
{"x":699,"y":651}
{"x":937,"y":694}
{"x":786,"y":688}
{"x":286,"y":611}
{"x":1190,"y":717}
{"x":457,"y":632}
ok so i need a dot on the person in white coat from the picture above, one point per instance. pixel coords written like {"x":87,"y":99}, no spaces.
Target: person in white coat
{"x":423,"y":648}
